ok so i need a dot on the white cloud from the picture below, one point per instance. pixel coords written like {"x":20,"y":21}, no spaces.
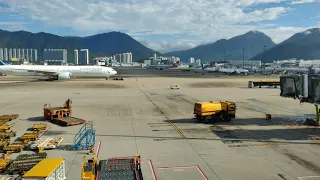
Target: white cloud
{"x":282,"y":33}
{"x":15,"y":23}
{"x":158,"y":17}
{"x":164,"y":46}
{"x":303,"y":1}
{"x":205,"y":20}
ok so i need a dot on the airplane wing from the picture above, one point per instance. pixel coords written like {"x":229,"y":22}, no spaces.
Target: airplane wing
{"x":46,"y":73}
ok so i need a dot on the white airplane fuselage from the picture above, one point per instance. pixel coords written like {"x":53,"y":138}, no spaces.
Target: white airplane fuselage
{"x":31,"y":70}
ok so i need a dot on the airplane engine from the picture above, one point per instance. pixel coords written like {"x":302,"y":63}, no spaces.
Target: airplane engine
{"x":64,"y":75}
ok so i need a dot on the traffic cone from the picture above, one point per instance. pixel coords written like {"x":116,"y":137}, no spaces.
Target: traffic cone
{"x":91,"y":151}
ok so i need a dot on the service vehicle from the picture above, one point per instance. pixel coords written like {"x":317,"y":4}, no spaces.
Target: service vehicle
{"x":214,"y":111}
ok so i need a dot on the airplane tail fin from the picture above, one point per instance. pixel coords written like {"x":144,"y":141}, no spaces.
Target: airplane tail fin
{"x":2,"y":63}
{"x":176,"y":64}
{"x":202,"y":66}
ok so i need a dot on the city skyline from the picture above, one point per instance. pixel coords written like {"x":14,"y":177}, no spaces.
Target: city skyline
{"x":14,"y":54}
{"x":182,"y":24}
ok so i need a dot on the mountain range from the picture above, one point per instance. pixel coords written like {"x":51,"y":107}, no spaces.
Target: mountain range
{"x":106,"y":44}
{"x":253,"y":45}
{"x":243,"y":46}
{"x":303,"y":45}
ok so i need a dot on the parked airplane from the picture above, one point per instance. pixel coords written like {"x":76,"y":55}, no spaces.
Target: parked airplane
{"x":162,"y":67}
{"x":218,"y":68}
{"x":57,"y":72}
{"x":232,"y":70}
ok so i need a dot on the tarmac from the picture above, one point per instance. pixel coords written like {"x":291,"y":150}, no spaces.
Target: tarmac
{"x":142,"y":115}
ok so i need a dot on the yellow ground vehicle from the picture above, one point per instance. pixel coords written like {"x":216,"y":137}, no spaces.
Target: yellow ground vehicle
{"x":214,"y":111}
{"x":89,"y":169}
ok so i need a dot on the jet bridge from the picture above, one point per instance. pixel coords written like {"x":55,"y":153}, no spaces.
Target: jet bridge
{"x":304,"y":87}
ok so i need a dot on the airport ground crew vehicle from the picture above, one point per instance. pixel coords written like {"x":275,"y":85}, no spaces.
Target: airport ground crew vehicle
{"x":30,"y":136}
{"x":9,"y":117}
{"x":39,"y":127}
{"x":214,"y":111}
{"x":61,"y":115}
{"x":51,"y":113}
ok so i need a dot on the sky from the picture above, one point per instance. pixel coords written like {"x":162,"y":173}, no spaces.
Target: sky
{"x":162,"y":25}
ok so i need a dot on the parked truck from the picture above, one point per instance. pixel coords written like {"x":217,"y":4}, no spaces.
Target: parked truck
{"x":214,"y":111}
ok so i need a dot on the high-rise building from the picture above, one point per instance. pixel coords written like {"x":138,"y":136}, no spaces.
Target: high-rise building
{"x":19,"y":53}
{"x":23,"y":53}
{"x":27,"y":57}
{"x":1,"y":54}
{"x":31,"y":55}
{"x":55,"y":56}
{"x":14,"y":53}
{"x":191,"y":60}
{"x":76,"y":57}
{"x":10,"y":54}
{"x":129,"y":56}
{"x":6,"y":55}
{"x":35,"y":57}
{"x":124,"y":57}
{"x":120,"y":58}
{"x":84,"y":56}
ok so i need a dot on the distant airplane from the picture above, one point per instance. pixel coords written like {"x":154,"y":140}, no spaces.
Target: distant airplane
{"x":218,"y":68}
{"x":162,"y":67}
{"x":57,"y":72}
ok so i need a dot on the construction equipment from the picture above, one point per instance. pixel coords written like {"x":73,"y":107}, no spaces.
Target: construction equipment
{"x":86,"y":137}
{"x":39,"y":127}
{"x":47,"y":169}
{"x":214,"y":111}
{"x":25,"y":162}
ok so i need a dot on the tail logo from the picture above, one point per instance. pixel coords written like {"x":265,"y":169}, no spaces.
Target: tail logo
{"x":2,"y":63}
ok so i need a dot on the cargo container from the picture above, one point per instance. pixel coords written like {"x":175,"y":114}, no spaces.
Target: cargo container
{"x":47,"y":169}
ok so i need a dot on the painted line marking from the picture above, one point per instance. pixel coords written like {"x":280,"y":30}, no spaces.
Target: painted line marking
{"x":187,"y":167}
{"x":175,"y":127}
{"x":152,"y":169}
{"x":49,"y":127}
{"x":98,"y":149}
{"x":14,"y":105}
{"x":308,"y":177}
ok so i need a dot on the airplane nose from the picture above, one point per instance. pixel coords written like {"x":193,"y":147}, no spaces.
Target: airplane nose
{"x":114,"y":72}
